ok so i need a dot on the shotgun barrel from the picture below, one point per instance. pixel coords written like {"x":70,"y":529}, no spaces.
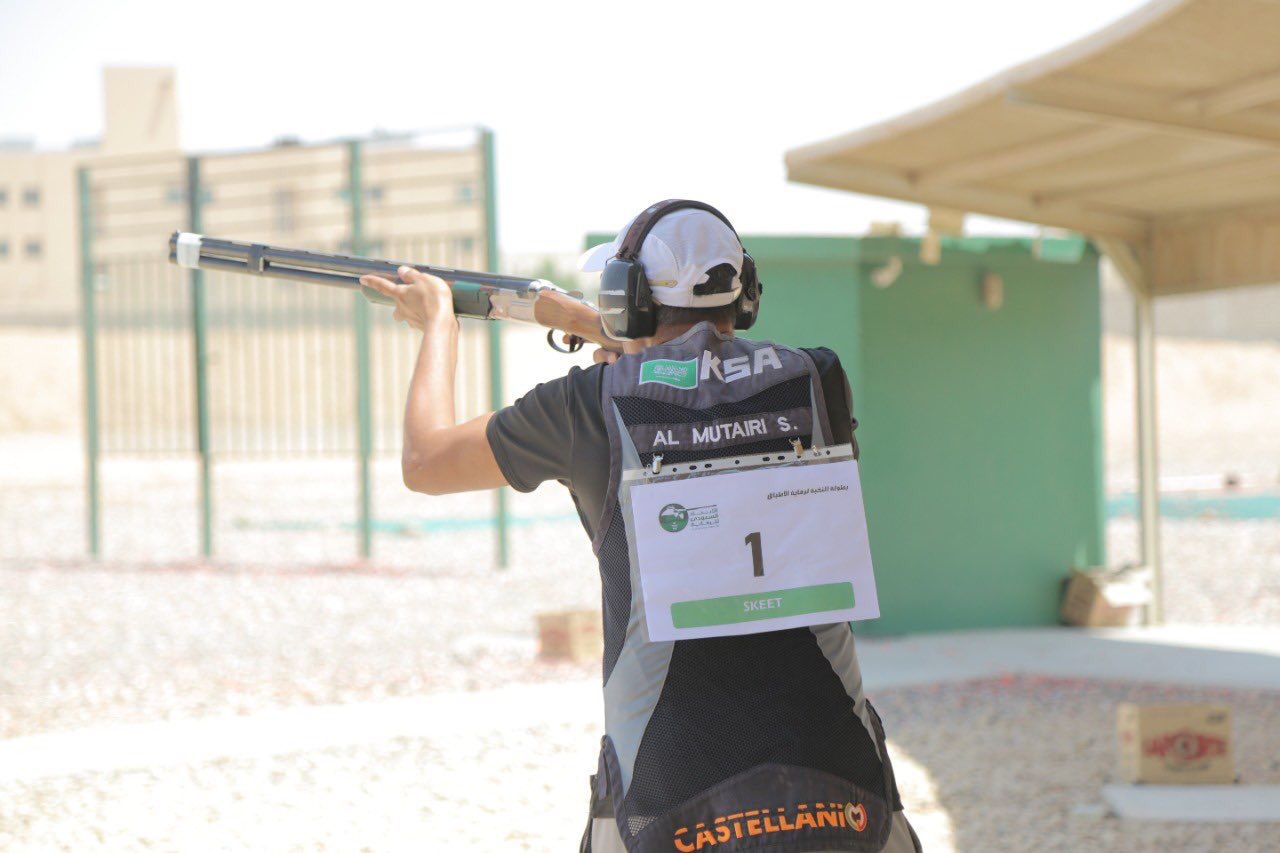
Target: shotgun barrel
{"x":481,"y":295}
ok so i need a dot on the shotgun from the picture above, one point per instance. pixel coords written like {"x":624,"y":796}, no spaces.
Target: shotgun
{"x":480,"y":295}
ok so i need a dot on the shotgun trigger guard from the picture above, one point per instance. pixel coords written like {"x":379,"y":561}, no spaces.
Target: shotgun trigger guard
{"x":575,"y":342}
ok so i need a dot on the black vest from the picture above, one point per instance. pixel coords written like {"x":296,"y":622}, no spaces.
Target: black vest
{"x":753,"y":742}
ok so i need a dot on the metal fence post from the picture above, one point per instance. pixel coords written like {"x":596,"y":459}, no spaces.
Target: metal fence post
{"x":200,"y":353}
{"x":494,"y":331}
{"x":364,"y":415}
{"x":89,"y":343}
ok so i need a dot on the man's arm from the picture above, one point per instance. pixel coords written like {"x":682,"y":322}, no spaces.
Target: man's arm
{"x":440,"y":456}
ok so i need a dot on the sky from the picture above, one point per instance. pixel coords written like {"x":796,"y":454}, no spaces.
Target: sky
{"x":598,"y":108}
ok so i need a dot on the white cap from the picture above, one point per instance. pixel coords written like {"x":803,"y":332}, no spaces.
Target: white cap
{"x":676,"y":255}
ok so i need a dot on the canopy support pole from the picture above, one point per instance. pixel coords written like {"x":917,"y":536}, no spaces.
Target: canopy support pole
{"x":1144,"y":347}
{"x":1128,"y":260}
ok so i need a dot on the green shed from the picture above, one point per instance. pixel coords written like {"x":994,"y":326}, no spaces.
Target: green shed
{"x":976,"y":384}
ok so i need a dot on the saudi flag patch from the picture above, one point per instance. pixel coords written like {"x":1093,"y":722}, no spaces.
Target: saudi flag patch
{"x":677,"y":374}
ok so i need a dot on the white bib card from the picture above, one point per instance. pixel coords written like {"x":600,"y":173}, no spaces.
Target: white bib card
{"x":741,"y":546}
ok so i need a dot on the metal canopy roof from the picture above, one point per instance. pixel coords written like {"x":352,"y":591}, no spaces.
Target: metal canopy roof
{"x":1159,"y":136}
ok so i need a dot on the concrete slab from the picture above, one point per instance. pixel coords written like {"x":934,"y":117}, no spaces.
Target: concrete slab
{"x":1198,"y":656}
{"x":1195,"y":803}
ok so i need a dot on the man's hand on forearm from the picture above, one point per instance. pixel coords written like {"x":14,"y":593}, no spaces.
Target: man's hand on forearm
{"x":422,"y":299}
{"x":440,"y":456}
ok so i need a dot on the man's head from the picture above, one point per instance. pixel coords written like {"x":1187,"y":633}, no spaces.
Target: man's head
{"x":692,"y":261}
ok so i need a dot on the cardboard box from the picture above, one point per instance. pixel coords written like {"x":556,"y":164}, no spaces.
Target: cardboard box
{"x":1106,"y":598}
{"x":1175,"y":744}
{"x":570,"y":635}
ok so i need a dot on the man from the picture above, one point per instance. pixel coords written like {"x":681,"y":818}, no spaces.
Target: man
{"x":735,"y":741}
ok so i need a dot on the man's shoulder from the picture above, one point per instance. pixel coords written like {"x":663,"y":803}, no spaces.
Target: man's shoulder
{"x":582,"y":388}
{"x":585,"y":375}
{"x":576,"y":380}
{"x":824,"y":358}
{"x":585,"y":381}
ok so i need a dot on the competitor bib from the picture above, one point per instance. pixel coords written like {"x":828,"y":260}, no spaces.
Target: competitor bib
{"x":750,"y":544}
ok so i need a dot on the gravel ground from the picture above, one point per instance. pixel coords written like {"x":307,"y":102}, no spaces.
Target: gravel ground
{"x":523,"y":787}
{"x":1217,"y":402}
{"x":123,"y":644}
{"x":518,"y":789}
{"x":288,"y":617}
{"x":1215,"y":571}
{"x":1017,"y":763}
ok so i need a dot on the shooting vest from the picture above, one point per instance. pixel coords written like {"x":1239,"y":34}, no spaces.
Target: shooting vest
{"x":752,"y":742}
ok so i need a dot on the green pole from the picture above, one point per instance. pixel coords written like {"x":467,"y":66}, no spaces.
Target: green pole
{"x":494,"y":332}
{"x":364,"y":416}
{"x":200,"y":345}
{"x":89,"y":345}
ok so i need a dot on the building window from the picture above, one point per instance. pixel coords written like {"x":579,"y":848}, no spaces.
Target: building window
{"x":375,"y":194}
{"x":31,"y":197}
{"x":33,"y":248}
{"x":4,"y":249}
{"x":466,"y":193}
{"x":4,"y":197}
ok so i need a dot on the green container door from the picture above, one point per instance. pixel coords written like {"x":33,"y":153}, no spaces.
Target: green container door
{"x":980,"y":428}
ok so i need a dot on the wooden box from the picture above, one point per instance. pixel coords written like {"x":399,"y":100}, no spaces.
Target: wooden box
{"x":570,"y":635}
{"x":1175,"y":744}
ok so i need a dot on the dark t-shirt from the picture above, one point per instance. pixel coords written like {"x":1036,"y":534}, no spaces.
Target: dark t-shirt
{"x":557,"y":432}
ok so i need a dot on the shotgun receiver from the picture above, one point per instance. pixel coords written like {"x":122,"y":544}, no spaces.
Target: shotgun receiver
{"x":480,"y":295}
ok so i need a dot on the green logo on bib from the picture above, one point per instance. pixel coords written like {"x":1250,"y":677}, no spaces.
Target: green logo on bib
{"x":673,"y":518}
{"x":668,"y":371}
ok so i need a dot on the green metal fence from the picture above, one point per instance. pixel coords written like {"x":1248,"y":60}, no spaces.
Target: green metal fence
{"x":219,"y":366}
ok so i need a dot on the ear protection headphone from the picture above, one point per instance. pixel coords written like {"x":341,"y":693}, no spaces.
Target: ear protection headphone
{"x":627,"y":308}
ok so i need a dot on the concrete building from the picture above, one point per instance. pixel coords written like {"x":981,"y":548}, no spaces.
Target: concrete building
{"x":424,"y":198}
{"x":421,"y":195}
{"x":39,"y":254}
